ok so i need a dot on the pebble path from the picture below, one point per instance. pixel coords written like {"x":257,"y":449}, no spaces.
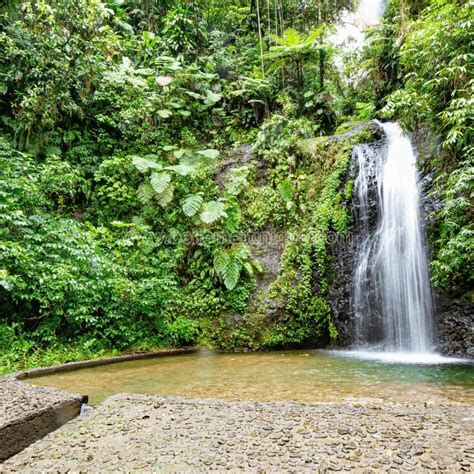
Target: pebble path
{"x":153,"y":433}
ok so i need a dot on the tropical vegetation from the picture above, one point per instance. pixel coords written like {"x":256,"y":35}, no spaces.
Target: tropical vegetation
{"x":126,"y":221}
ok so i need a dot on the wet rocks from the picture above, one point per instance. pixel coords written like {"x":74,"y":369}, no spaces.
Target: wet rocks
{"x":454,"y":322}
{"x":198,"y":435}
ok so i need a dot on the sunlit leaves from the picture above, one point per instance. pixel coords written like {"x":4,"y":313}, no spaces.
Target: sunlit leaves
{"x":182,"y":169}
{"x":212,"y":98}
{"x":164,"y":81}
{"x":164,"y":113}
{"x":144,"y":164}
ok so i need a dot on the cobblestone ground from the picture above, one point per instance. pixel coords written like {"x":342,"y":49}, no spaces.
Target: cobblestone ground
{"x":153,"y":433}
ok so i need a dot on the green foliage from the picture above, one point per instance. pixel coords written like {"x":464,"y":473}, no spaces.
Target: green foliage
{"x":192,"y":204}
{"x":455,"y":242}
{"x":116,"y":233}
{"x":46,"y":71}
{"x":62,"y":279}
{"x":436,"y":59}
{"x":212,"y":211}
{"x":301,"y":293}
{"x":230,"y":262}
{"x":160,"y":186}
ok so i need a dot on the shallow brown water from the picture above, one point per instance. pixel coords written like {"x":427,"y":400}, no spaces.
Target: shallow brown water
{"x":300,"y":376}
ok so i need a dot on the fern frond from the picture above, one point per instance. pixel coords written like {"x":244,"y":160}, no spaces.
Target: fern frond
{"x":286,"y":190}
{"x":212,"y":211}
{"x":192,"y":204}
{"x":145,"y":193}
{"x":144,"y":164}
{"x":166,"y":196}
{"x":227,"y":267}
{"x":160,"y":181}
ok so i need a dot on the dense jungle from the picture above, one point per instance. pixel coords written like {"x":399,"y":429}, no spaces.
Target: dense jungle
{"x":177,"y":172}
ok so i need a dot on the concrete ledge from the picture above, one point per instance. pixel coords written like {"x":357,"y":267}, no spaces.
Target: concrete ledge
{"x":29,"y":413}
{"x":101,"y":361}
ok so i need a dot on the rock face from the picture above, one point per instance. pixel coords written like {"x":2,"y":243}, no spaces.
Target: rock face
{"x":233,"y":159}
{"x":344,"y":253}
{"x":454,"y":322}
{"x":454,"y":313}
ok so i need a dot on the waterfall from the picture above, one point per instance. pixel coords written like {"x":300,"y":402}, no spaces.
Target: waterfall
{"x":392,"y":295}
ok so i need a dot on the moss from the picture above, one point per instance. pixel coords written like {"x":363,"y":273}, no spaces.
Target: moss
{"x":310,"y":146}
{"x":349,"y":189}
{"x":294,"y":310}
{"x":300,"y":291}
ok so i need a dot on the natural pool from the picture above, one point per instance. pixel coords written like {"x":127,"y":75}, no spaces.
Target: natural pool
{"x":299,"y":376}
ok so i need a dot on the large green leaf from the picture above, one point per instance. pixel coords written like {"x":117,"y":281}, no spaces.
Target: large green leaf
{"x":164,"y":113}
{"x":234,"y":215}
{"x":205,"y":157}
{"x":212,"y":98}
{"x":160,"y":181}
{"x":209,"y":153}
{"x":212,"y":211}
{"x":144,"y":164}
{"x":183,"y":169}
{"x":192,"y":204}
{"x":286,"y":190}
{"x":145,"y":193}
{"x":166,"y":196}
{"x":227,"y":267}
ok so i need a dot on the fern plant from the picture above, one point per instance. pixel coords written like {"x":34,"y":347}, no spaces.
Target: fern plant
{"x":230,"y":262}
{"x":192,"y":204}
{"x":160,"y":185}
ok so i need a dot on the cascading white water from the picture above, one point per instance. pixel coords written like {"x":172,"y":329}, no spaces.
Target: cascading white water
{"x":392,"y":295}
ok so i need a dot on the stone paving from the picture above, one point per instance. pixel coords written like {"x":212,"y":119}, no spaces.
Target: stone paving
{"x":153,"y":433}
